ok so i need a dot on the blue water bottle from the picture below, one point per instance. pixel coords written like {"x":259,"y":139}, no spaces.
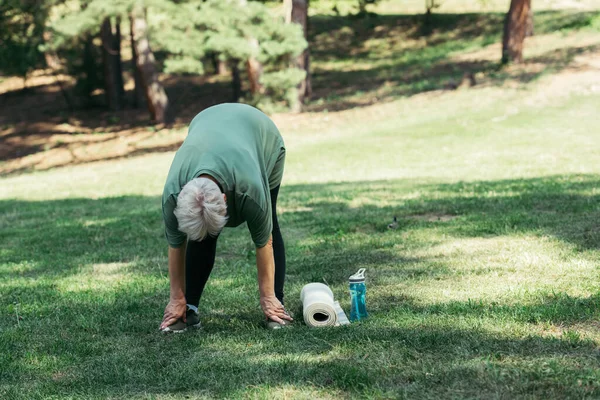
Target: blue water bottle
{"x":358,"y":294}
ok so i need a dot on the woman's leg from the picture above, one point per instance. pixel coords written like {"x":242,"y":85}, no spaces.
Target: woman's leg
{"x":278,"y":248}
{"x":199,"y":262}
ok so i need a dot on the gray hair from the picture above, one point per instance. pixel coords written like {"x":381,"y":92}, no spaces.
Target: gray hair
{"x":201,"y":209}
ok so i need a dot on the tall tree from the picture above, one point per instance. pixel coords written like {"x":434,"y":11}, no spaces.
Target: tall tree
{"x":139,"y":96}
{"x":515,"y":30}
{"x":236,"y":80}
{"x":53,"y":62}
{"x":297,"y":12}
{"x":89,"y":80}
{"x":156,"y":96}
{"x":111,"y":57}
{"x":254,"y":67}
{"x":530,"y":25}
{"x":222,"y":67}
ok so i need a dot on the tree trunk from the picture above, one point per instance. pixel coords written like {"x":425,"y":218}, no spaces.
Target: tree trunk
{"x":155,"y":93}
{"x":90,"y":80}
{"x":139,"y":96}
{"x":118,"y":61}
{"x":223,"y":68}
{"x":53,"y":62}
{"x":111,"y":58}
{"x":530,"y":26}
{"x":254,"y":69}
{"x":515,"y":28}
{"x":298,"y":13}
{"x":236,"y":80}
{"x":220,"y":66}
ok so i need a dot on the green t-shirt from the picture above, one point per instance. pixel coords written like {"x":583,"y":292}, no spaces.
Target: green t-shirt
{"x":243,"y":150}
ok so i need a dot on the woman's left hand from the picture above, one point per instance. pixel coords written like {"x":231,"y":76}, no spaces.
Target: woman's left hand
{"x":273,"y":309}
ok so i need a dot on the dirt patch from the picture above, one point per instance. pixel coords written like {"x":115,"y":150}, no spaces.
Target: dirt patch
{"x":588,"y":330}
{"x":38,"y":132}
{"x":45,"y":151}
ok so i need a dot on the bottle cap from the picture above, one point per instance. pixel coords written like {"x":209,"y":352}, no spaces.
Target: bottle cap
{"x":359,"y":276}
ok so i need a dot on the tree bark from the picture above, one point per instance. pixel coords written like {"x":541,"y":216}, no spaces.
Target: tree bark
{"x":236,"y":80}
{"x":53,"y":62}
{"x":515,"y":29}
{"x":220,"y":66}
{"x":90,"y":81}
{"x":155,"y":94}
{"x":530,"y":26}
{"x":223,"y":68}
{"x":254,"y":69}
{"x":111,"y":58}
{"x":119,"y":62}
{"x":298,"y":13}
{"x":139,"y":96}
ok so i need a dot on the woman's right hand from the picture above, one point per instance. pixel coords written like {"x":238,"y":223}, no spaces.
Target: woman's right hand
{"x":175,"y":310}
{"x":273,"y":310}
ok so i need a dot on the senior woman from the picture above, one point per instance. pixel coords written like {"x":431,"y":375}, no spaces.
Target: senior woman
{"x":227,"y":171}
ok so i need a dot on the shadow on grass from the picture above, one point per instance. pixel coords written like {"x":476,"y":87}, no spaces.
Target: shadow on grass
{"x":102,"y":341}
{"x":559,"y":309}
{"x":111,"y":349}
{"x":56,"y":236}
{"x":565,"y":207}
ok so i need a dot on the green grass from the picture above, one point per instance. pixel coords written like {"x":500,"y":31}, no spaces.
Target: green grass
{"x":488,"y":289}
{"x":345,"y":7}
{"x":389,"y":56}
{"x":348,"y":7}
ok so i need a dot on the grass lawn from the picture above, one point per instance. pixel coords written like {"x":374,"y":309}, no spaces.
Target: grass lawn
{"x":489,"y":288}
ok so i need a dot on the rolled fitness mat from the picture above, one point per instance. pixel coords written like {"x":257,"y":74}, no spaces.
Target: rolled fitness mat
{"x":318,"y":305}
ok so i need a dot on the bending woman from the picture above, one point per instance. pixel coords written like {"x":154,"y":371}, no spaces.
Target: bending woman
{"x":227,"y":171}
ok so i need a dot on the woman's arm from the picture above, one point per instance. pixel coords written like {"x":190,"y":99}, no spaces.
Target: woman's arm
{"x":265,"y":263}
{"x":176,"y":307}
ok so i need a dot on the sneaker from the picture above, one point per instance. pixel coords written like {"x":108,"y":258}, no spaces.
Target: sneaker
{"x":192,"y":320}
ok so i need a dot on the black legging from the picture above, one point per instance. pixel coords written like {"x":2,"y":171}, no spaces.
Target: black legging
{"x":200,"y":259}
